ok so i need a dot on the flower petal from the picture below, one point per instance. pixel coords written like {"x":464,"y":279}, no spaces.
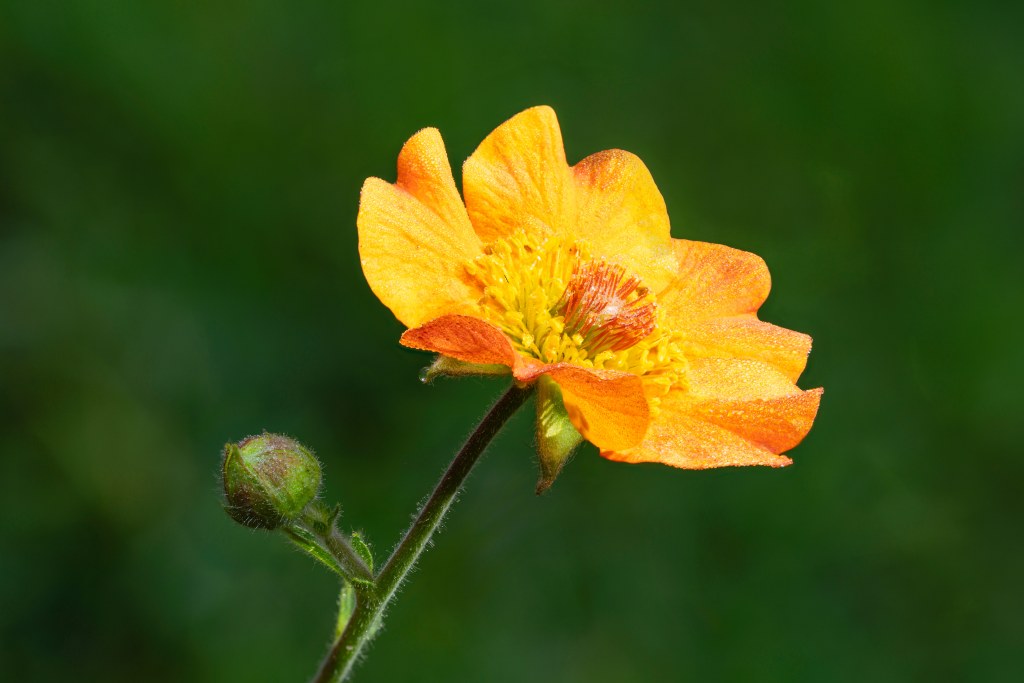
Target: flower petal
{"x":415,"y":235}
{"x":518,"y":177}
{"x":736,"y":378}
{"x":425,"y":172}
{"x":777,"y":424}
{"x":465,"y":338}
{"x":694,"y":434}
{"x":693,"y":444}
{"x":713,"y":281}
{"x":746,"y":337}
{"x":622,"y":214}
{"x":608,"y":408}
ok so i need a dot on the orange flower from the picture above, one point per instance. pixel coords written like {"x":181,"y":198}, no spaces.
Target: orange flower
{"x":647,"y":346}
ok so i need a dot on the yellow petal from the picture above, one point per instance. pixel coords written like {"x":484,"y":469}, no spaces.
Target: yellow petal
{"x":693,"y":444}
{"x":746,"y":337}
{"x":713,"y":281}
{"x":752,"y":400}
{"x":425,"y":173}
{"x":415,"y":235}
{"x":622,"y":214}
{"x":701,"y":434}
{"x":778,"y":423}
{"x":736,"y":378}
{"x":518,"y":178}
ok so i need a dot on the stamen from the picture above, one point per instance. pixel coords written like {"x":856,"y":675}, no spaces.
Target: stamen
{"x":557,"y":303}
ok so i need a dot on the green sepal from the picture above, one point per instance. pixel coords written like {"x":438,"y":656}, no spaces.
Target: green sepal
{"x":443,"y":366}
{"x":334,"y":516}
{"x":346,"y":606}
{"x":362,"y":549}
{"x":310,"y":544}
{"x":320,"y":518}
{"x":556,"y":435}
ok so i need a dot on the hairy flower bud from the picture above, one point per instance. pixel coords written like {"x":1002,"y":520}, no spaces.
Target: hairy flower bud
{"x":268,"y":479}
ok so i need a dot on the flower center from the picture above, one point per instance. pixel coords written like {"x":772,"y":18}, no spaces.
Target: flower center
{"x":608,"y":309}
{"x":555,"y":302}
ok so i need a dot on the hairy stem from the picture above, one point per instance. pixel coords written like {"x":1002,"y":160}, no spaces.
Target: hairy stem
{"x":372,"y":600}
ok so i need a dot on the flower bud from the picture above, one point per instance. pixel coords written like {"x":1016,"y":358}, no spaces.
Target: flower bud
{"x":268,"y":479}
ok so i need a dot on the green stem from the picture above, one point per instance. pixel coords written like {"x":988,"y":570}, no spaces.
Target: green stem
{"x":315,"y":533}
{"x":372,"y":600}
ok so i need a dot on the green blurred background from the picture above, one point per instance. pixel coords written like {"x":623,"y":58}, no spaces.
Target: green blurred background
{"x":178,"y":267}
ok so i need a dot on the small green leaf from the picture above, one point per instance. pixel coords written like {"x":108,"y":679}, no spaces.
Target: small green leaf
{"x":363,"y":550}
{"x":556,"y":435}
